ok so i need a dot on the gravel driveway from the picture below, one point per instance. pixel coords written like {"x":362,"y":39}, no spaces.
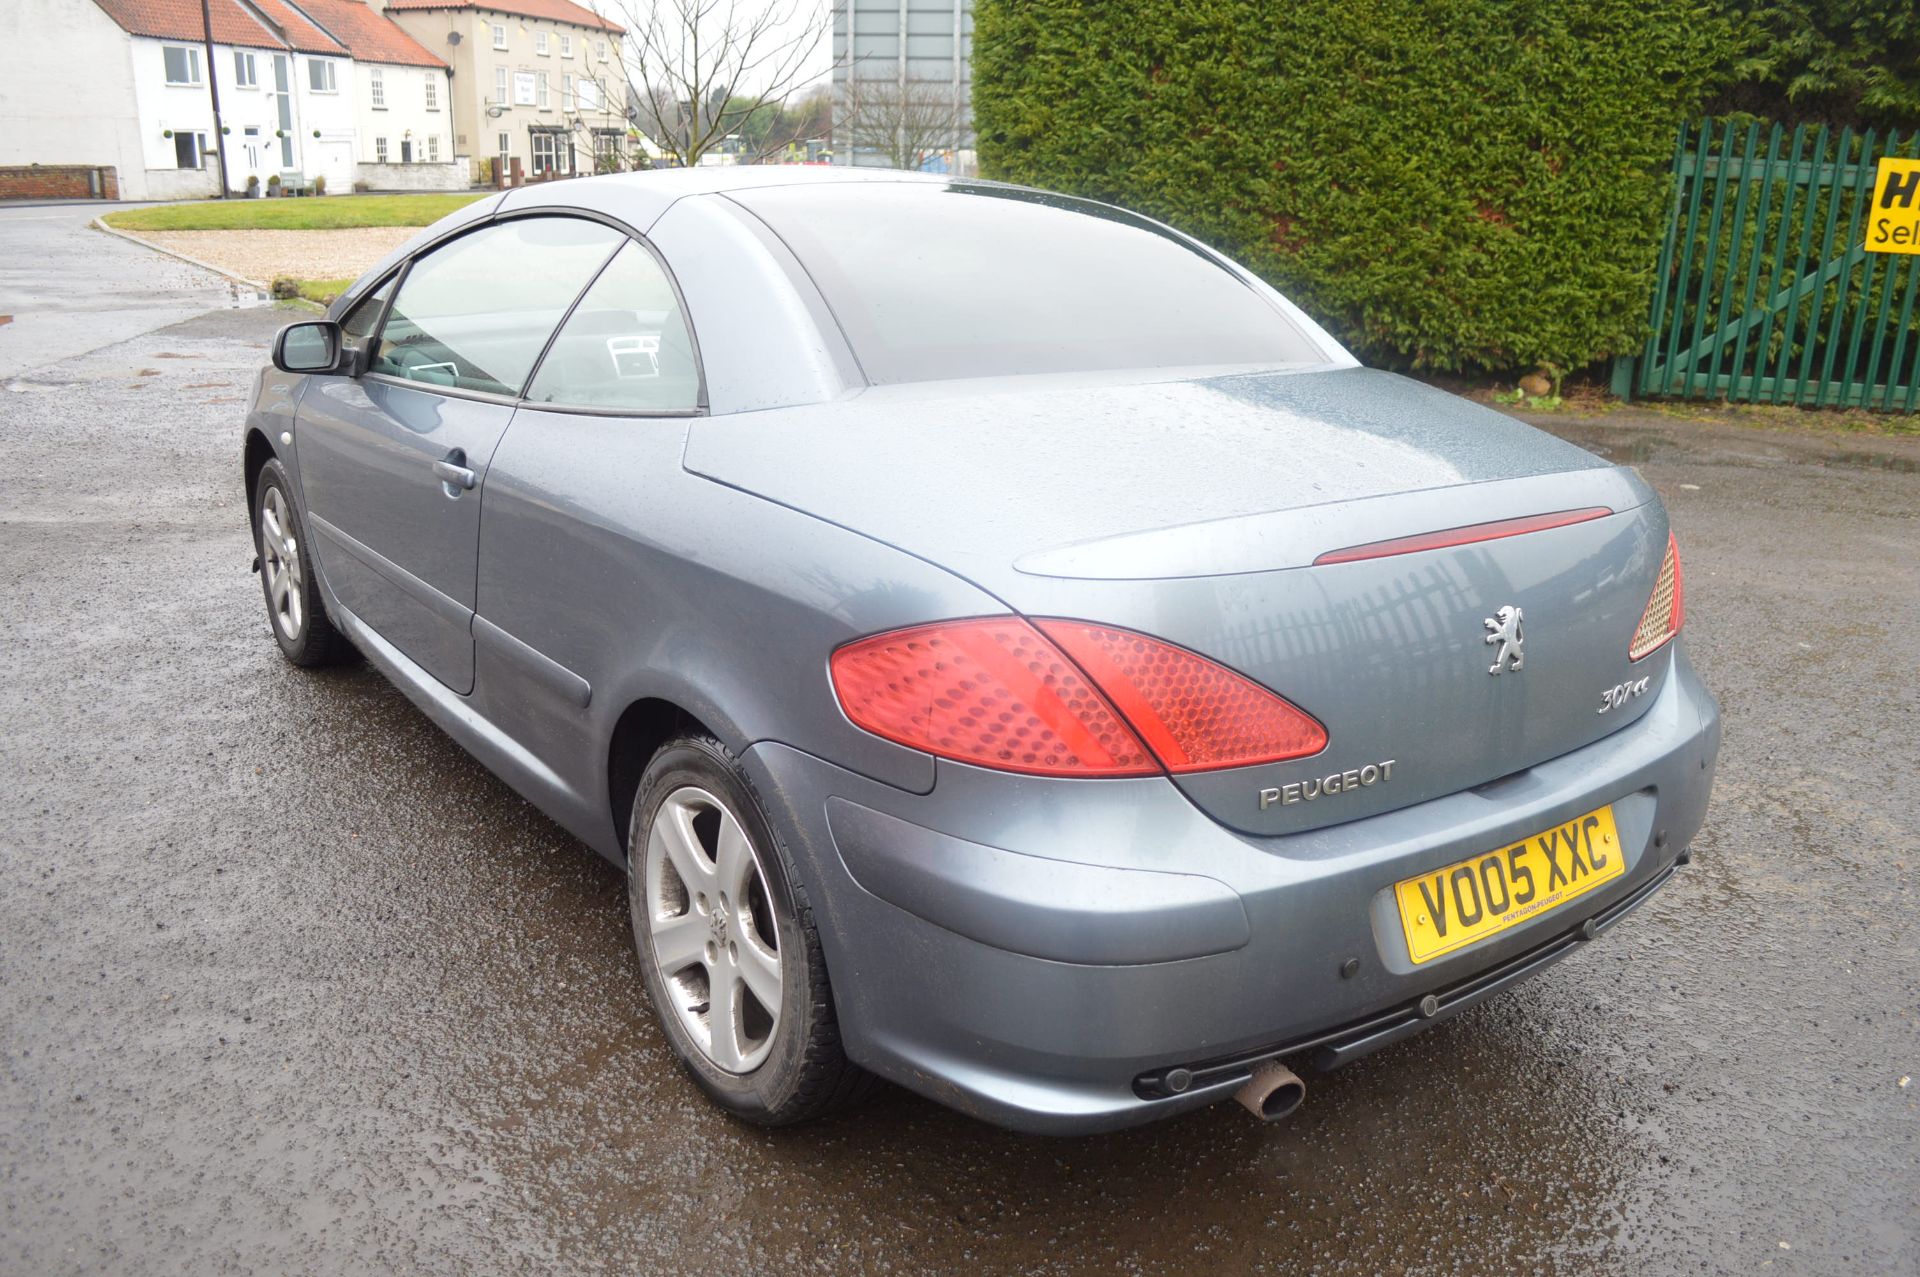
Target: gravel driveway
{"x":263,"y":255}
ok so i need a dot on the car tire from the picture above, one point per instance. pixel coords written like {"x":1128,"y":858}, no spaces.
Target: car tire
{"x":295,"y":613}
{"x":712,"y":927}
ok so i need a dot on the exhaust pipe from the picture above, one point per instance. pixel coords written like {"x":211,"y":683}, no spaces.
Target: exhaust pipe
{"x":1272,"y":1093}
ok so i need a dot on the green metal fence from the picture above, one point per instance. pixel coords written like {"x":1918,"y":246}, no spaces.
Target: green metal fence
{"x":1764,"y":292}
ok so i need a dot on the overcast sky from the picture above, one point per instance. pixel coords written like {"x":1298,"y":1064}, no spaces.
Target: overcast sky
{"x":805,"y":12}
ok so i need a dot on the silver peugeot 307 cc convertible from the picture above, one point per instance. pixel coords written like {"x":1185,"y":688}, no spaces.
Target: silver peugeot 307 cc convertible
{"x":1013,"y":651}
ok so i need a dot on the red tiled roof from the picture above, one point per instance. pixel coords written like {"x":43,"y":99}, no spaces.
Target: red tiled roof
{"x":551,"y":10}
{"x":369,"y":37}
{"x":300,"y":32}
{"x":233,"y":23}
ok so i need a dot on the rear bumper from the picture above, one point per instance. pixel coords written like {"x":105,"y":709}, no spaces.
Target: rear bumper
{"x":1041,"y":953}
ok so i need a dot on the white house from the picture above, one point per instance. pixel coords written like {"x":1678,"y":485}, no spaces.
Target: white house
{"x":403,"y":100}
{"x":295,"y":102}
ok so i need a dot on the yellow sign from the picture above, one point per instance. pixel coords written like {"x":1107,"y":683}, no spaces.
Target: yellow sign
{"x":1452,"y":907}
{"x":1893,"y":223}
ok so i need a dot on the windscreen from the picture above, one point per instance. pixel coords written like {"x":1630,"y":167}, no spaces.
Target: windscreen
{"x":932,"y":282}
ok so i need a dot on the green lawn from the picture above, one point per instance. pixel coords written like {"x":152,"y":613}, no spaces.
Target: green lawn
{"x":325,"y":212}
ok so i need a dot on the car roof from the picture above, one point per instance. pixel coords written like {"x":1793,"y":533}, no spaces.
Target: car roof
{"x":640,"y":198}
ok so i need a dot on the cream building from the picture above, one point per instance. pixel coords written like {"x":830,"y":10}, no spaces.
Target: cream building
{"x":537,"y":81}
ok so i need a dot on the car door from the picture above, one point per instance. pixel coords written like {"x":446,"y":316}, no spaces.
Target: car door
{"x":392,"y":462}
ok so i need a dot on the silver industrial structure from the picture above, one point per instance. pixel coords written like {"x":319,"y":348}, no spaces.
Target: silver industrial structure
{"x":901,"y":84}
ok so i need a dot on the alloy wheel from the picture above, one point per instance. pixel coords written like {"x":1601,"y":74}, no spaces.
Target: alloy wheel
{"x":280,"y":563}
{"x":709,"y":918}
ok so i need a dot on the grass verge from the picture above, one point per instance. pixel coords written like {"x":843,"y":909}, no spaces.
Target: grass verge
{"x":324,"y":212}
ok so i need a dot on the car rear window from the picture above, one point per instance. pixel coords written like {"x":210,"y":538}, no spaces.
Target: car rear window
{"x":932,"y":282}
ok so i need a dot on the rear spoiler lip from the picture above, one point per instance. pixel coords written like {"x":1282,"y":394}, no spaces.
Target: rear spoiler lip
{"x":1282,"y":540}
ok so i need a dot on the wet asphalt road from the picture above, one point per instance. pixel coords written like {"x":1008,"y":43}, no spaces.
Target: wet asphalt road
{"x":290,"y":984}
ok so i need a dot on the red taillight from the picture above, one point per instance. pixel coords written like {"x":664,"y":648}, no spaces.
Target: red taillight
{"x":1193,"y":714}
{"x":1078,"y":700}
{"x":992,"y":692}
{"x":1666,"y":610}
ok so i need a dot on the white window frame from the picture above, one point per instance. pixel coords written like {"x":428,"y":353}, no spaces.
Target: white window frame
{"x":379,"y":150}
{"x":199,"y":149}
{"x":433,"y":92}
{"x":499,"y":35}
{"x":502,"y":87}
{"x":566,"y":92}
{"x":600,"y":50}
{"x":433,"y":148}
{"x":193,"y":79}
{"x":504,"y":156}
{"x":553,"y":153}
{"x":332,"y":76}
{"x":566,"y":46}
{"x":542,"y":101}
{"x":540,"y":43}
{"x":245,"y":74}
{"x":377,"y":88}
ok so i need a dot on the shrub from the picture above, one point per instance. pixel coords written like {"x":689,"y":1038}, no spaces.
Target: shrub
{"x":1447,"y":184}
{"x":320,"y":184}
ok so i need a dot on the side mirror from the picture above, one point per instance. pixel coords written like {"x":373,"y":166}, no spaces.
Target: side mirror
{"x":315,"y":345}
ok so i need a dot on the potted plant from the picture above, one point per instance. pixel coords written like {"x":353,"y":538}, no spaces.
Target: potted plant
{"x":253,"y":186}
{"x":320,"y":184}
{"x":273,"y":185}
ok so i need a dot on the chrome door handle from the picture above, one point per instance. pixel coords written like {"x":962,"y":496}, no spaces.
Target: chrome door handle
{"x":455,"y":475}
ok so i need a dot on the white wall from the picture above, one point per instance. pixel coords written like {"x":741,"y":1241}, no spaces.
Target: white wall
{"x":66,"y":92}
{"x":332,"y":116}
{"x":406,"y":117}
{"x":247,"y":111}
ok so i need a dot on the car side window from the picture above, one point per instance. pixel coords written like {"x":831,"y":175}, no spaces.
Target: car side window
{"x":626,"y":345}
{"x":359,"y":323}
{"x":474,"y":313}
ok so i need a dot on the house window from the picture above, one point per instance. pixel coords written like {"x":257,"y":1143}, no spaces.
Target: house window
{"x":499,"y":36}
{"x":546,"y":155}
{"x":566,"y":46}
{"x":378,"y":85}
{"x":433,"y":147}
{"x":566,"y":93}
{"x":433,"y":92}
{"x":321,"y":77}
{"x":540,"y":91}
{"x":500,"y":85}
{"x":506,"y":152}
{"x":380,"y":150}
{"x":183,"y":67}
{"x":540,"y":43}
{"x":600,"y":49}
{"x":244,"y":74}
{"x":189,"y":150}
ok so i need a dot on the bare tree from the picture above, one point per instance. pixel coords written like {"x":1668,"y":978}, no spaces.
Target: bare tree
{"x":699,"y":70}
{"x":908,"y":121}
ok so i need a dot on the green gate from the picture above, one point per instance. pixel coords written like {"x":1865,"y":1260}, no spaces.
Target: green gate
{"x":1764,"y":292}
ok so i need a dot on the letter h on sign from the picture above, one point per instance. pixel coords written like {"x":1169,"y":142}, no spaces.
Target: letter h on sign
{"x":1900,"y":188}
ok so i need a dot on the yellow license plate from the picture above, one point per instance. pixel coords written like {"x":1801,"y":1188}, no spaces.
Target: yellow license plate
{"x":1449,"y":908}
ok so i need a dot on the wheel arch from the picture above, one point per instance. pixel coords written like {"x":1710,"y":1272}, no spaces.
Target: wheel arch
{"x":642,"y":728}
{"x":258,"y":453}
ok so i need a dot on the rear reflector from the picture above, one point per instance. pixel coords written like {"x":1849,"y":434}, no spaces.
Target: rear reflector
{"x":1467,"y":535}
{"x":1666,"y":610}
{"x":1076,"y":700}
